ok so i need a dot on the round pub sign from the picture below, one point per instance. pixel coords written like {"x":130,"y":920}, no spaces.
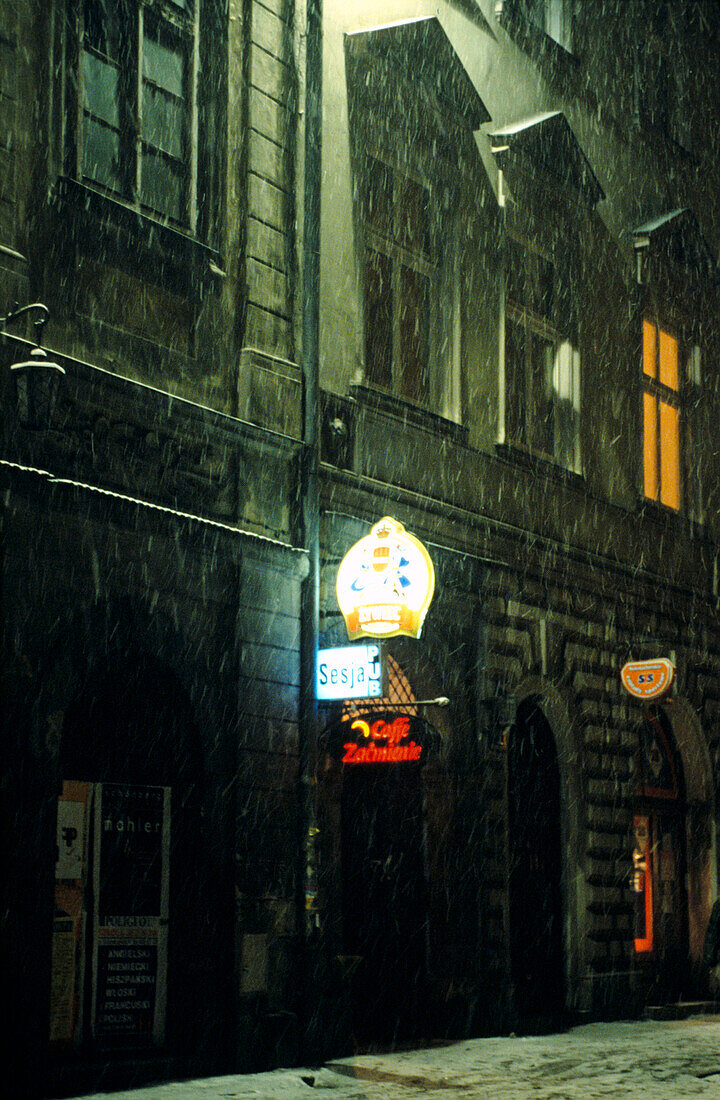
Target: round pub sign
{"x":385,"y":583}
{"x":648,"y":679}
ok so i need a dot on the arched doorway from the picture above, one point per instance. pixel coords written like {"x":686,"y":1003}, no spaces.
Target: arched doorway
{"x":384,"y":892}
{"x":660,"y":859}
{"x":130,"y":753}
{"x":535,"y":870}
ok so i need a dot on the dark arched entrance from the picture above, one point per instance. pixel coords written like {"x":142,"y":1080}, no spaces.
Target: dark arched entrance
{"x":659,"y":860}
{"x":129,"y":737}
{"x":384,"y":899}
{"x":535,"y":870}
{"x":384,"y":889}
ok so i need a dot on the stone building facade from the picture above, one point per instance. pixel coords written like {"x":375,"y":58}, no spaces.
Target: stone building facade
{"x":518,"y":361}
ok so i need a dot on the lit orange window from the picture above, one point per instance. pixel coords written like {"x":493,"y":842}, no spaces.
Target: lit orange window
{"x":649,"y":349}
{"x":661,"y":415}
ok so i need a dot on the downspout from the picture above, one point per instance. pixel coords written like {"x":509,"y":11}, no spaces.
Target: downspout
{"x":310,"y":508}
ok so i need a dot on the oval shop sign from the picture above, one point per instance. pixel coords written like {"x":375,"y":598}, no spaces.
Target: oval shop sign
{"x":648,"y":679}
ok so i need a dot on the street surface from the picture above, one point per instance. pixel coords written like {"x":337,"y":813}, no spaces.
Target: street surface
{"x":639,"y":1059}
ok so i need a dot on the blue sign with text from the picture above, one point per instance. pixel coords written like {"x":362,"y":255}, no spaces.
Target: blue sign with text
{"x":350,"y":672}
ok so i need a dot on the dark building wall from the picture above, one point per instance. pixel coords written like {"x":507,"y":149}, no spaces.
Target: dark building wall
{"x":183,"y":395}
{"x":126,"y":660}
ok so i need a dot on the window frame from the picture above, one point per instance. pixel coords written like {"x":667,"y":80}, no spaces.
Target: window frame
{"x":400,"y":254}
{"x":689,"y":368}
{"x":181,"y":22}
{"x":662,"y":94}
{"x":441,"y":387}
{"x":553,"y":18}
{"x":536,"y":325}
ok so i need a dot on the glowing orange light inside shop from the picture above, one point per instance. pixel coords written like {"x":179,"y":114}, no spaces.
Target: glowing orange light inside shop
{"x":644,"y":943}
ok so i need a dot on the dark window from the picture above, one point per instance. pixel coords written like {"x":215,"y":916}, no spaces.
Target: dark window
{"x":137,"y":102}
{"x":662,"y":72}
{"x":553,"y":17}
{"x":399,"y":278}
{"x":542,"y":362}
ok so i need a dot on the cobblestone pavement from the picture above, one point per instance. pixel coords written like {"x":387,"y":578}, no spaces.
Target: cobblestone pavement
{"x":640,"y":1059}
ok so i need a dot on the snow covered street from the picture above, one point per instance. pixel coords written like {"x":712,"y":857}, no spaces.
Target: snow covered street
{"x":639,"y":1059}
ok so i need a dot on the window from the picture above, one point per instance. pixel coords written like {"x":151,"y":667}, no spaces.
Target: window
{"x":554,"y":17}
{"x":542,"y":361}
{"x":662,"y":86}
{"x":662,"y":413}
{"x":400,"y":279}
{"x":137,"y":102}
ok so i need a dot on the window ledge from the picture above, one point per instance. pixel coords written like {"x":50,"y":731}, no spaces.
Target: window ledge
{"x":663,"y":516}
{"x":409,"y":413}
{"x":166,"y":255}
{"x":538,"y":464}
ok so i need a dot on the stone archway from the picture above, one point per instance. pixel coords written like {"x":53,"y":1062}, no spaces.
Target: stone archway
{"x":119,"y":702}
{"x":573,"y":886}
{"x":128,"y":735}
{"x":700,"y":828}
{"x":534,"y":870}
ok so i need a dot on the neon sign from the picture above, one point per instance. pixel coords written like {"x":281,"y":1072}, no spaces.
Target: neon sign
{"x":380,"y":737}
{"x":385,"y":583}
{"x":385,"y":742}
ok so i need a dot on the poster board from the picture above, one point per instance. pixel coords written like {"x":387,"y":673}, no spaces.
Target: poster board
{"x":131,"y":856}
{"x":69,"y":920}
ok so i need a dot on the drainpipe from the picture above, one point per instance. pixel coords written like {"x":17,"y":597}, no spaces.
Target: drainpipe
{"x":310,"y":511}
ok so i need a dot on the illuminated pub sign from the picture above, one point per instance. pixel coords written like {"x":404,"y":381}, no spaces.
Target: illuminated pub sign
{"x":350,"y":672}
{"x":648,"y":679}
{"x":380,"y":737}
{"x":385,"y":583}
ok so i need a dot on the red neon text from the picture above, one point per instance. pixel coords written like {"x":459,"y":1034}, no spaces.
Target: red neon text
{"x":392,"y":732}
{"x":379,"y":754}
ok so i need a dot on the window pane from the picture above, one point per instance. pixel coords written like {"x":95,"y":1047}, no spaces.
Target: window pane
{"x":515,"y":260}
{"x":515,"y":384}
{"x":542,"y":285}
{"x":377,"y":195}
{"x":695,"y":365}
{"x":650,"y":446}
{"x":378,"y":319}
{"x":100,"y":88}
{"x":649,"y":360}
{"x":669,"y":375}
{"x":669,"y":455}
{"x":566,"y":386}
{"x":163,"y":60}
{"x":541,"y":409}
{"x":102,"y":27}
{"x":414,"y":334}
{"x":413,"y":215}
{"x":162,"y":185}
{"x":162,"y":121}
{"x":101,"y":154}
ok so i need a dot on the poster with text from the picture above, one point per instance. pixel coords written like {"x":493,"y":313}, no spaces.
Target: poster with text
{"x":131,"y":857}
{"x":68,"y":941}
